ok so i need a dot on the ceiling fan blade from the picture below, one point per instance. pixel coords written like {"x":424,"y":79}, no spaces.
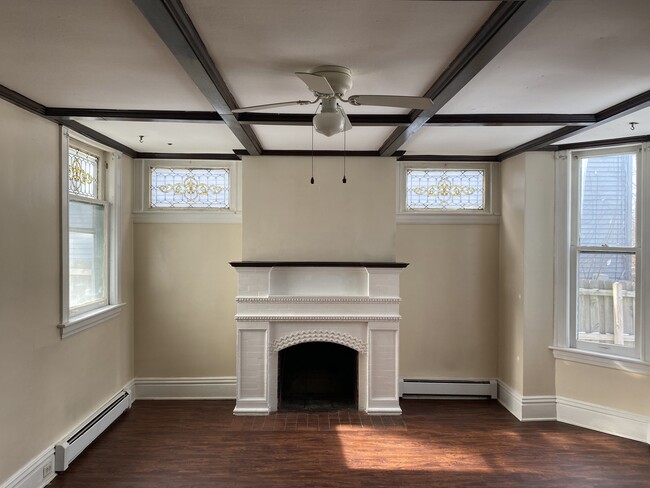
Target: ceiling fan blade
{"x":255,"y":108}
{"x":316,"y":83}
{"x":420,"y":103}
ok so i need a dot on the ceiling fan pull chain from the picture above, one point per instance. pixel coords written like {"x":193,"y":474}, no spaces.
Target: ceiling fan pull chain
{"x":344,"y":137}
{"x":312,"y":148}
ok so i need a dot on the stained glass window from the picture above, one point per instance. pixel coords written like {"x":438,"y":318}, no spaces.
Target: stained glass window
{"x":82,"y":173}
{"x":173,"y":187}
{"x":445,"y":189}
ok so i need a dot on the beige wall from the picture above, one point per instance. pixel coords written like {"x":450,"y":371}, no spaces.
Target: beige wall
{"x":511,"y":273}
{"x":185,"y":299}
{"x":539,"y":371}
{"x":603,"y":386}
{"x":287,"y":218}
{"x":48,"y":385}
{"x":449,"y":300}
{"x":526,"y":274}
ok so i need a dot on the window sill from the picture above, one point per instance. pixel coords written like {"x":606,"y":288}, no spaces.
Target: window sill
{"x":447,"y":218}
{"x":90,"y":319}
{"x":187,"y":217}
{"x":603,"y":360}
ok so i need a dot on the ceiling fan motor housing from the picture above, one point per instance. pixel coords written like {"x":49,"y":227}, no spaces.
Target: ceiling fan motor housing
{"x":339,"y":77}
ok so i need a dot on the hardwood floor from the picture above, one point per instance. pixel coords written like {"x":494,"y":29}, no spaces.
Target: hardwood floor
{"x":435,"y":443}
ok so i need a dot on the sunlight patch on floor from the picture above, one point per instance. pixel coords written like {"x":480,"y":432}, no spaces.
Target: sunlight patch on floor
{"x":382,"y":450}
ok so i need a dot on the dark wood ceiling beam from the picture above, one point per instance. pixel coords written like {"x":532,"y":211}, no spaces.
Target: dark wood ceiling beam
{"x":511,"y":119}
{"x":603,"y":143}
{"x":134,"y":115}
{"x":539,"y":142}
{"x":203,"y":156}
{"x":507,"y":21}
{"x":21,"y":101}
{"x":447,"y":158}
{"x":34,"y":107}
{"x":170,"y":20}
{"x":318,"y":153}
{"x":610,"y":114}
{"x":358,"y":120}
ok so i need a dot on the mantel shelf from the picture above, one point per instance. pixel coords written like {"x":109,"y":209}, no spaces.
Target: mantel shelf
{"x":316,"y":264}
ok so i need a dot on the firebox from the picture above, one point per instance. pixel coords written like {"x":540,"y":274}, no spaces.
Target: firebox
{"x":317,"y":376}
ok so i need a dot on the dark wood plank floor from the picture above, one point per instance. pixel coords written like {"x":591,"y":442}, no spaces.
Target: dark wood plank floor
{"x":437,"y":443}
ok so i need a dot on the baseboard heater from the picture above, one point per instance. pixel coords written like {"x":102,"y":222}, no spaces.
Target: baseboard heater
{"x":424,"y":388}
{"x":66,"y":451}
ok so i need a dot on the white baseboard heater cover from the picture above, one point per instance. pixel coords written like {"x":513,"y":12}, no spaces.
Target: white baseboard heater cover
{"x":66,"y":451}
{"x":448,"y":388}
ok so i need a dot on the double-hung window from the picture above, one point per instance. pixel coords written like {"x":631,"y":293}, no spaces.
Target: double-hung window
{"x":89,"y":235}
{"x":600,"y":298}
{"x":606,"y":251}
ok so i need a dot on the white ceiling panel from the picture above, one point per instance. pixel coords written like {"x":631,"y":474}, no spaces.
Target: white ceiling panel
{"x":184,"y":138}
{"x":392,"y":47}
{"x":578,"y":56}
{"x":281,"y":137}
{"x":478,"y":141}
{"x":92,"y":54}
{"x":616,"y":129}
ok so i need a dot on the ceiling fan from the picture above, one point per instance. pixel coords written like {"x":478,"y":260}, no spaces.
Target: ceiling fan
{"x":329,"y":84}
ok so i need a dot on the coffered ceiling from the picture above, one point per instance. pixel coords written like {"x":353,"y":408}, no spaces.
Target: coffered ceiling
{"x":504,"y":76}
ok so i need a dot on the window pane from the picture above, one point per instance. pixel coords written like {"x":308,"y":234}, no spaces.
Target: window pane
{"x":87,"y":255}
{"x":606,"y":298}
{"x":82,"y":173}
{"x":608,"y":200}
{"x":189,"y":188}
{"x":444,"y":189}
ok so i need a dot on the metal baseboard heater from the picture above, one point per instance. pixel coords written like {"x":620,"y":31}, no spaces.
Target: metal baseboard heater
{"x":423,"y":388}
{"x":66,"y":451}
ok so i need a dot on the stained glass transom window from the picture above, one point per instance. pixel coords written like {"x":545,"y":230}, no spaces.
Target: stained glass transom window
{"x":189,"y":187}
{"x":82,"y":173}
{"x":445,"y":189}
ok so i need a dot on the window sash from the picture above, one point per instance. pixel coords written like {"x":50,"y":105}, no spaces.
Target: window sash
{"x":576,"y":250}
{"x":99,"y":245}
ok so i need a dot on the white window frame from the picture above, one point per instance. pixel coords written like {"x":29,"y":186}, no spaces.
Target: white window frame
{"x":109,"y":182}
{"x":566,"y":346}
{"x":488,"y":215}
{"x":143,"y":213}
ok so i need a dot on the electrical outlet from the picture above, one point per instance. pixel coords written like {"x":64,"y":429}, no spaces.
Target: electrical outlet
{"x":47,"y":470}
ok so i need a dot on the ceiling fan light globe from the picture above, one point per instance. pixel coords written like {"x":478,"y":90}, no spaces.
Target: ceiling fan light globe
{"x":329,"y":123}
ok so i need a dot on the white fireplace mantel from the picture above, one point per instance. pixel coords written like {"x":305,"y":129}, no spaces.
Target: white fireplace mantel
{"x":281,"y":304}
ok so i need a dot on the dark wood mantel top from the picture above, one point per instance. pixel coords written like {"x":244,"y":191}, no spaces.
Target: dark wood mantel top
{"x":317,"y":264}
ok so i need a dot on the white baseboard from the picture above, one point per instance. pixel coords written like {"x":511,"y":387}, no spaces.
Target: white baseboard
{"x":40,"y":471}
{"x":210,"y":388}
{"x":35,"y":474}
{"x":527,"y":408}
{"x":604,"y":419}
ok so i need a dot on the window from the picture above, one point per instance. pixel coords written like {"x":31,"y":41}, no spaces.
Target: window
{"x":89,"y":220}
{"x":445,"y":189}
{"x":187,"y":191}
{"x":600,"y":266}
{"x":87,"y":233}
{"x":444,"y":192}
{"x":606,"y":251}
{"x":173,"y":187}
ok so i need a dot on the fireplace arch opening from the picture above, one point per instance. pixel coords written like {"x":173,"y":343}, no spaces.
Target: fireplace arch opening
{"x":318,"y":376}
